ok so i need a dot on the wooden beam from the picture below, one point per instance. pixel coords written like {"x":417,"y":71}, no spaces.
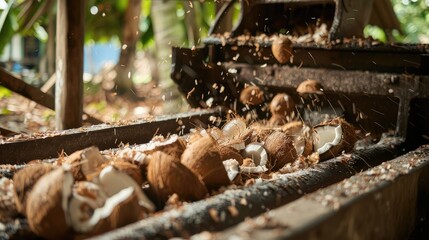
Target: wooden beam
{"x":69,"y":64}
{"x":15,"y":84}
{"x":104,"y":136}
{"x":6,"y":132}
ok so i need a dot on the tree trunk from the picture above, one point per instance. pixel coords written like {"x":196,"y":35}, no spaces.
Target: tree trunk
{"x":130,"y":35}
{"x":191,"y":22}
{"x":168,"y":33}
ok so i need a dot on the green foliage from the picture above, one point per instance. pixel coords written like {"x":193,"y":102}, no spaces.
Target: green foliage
{"x":414,"y":18}
{"x":375,"y":32}
{"x":9,"y":25}
{"x":4,"y":92}
{"x":107,"y":22}
{"x":146,"y":29}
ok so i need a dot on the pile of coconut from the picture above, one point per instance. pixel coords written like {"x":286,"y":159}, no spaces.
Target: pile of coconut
{"x":90,"y":192}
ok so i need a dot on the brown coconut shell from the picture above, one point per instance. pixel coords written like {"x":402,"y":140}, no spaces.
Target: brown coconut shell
{"x":282,"y":49}
{"x":174,"y":145}
{"x":346,"y":143}
{"x":126,"y":212}
{"x":45,"y":214}
{"x":130,"y":169}
{"x":167,"y":176}
{"x":251,"y":95}
{"x":310,"y":86}
{"x":282,"y":104}
{"x":203,"y":158}
{"x":260,"y":132}
{"x":227,"y":152}
{"x":23,"y":182}
{"x":293,"y":128}
{"x":280,"y":150}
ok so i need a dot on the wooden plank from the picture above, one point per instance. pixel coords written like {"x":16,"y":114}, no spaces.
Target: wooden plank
{"x":6,"y":132}
{"x":69,"y":64}
{"x":104,"y":136}
{"x":15,"y":84}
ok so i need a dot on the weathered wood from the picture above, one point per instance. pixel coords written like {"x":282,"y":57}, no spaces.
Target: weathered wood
{"x":6,"y":132}
{"x":15,"y":84}
{"x":69,"y":64}
{"x":385,"y":202}
{"x":104,"y":136}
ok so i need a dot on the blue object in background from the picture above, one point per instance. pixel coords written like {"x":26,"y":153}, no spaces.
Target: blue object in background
{"x":98,"y":54}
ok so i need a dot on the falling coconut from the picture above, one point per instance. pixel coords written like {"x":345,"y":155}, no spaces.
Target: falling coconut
{"x":282,"y":104}
{"x":251,"y":95}
{"x":309,"y":86}
{"x":282,"y":49}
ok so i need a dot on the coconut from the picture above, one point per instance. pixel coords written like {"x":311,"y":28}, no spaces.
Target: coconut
{"x":301,"y":135}
{"x":167,"y":176}
{"x":173,"y":145}
{"x":257,"y":153}
{"x":282,"y":49}
{"x":280,"y":150}
{"x":85,"y":163}
{"x":234,"y":127}
{"x":24,"y":181}
{"x":227,"y":152}
{"x":47,"y":204}
{"x":203,"y":158}
{"x":309,"y":86}
{"x":251,"y":95}
{"x":260,"y":132}
{"x":333,"y":137}
{"x":282,"y":104}
{"x":112,"y":181}
{"x":92,"y":212}
{"x":130,"y":169}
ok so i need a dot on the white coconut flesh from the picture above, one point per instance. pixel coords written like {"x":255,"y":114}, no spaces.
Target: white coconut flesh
{"x":113,"y":181}
{"x":326,"y":137}
{"x":258,"y":154}
{"x":234,"y":128}
{"x":82,"y":207}
{"x":231,"y":167}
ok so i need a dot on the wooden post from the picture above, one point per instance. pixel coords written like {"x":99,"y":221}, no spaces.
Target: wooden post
{"x":69,"y":64}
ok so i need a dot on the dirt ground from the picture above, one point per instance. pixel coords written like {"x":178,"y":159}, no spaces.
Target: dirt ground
{"x":21,"y":115}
